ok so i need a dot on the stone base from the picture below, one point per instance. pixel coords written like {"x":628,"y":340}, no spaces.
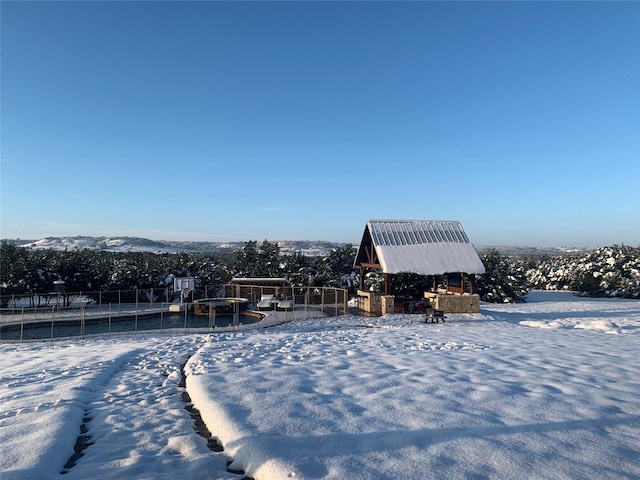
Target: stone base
{"x":453,"y":303}
{"x":375,"y":304}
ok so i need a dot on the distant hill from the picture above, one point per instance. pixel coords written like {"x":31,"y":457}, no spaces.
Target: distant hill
{"x":136,"y":244}
{"x":520,"y":252}
{"x":310,"y":248}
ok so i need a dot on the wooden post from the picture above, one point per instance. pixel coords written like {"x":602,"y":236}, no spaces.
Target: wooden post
{"x":472,"y":283}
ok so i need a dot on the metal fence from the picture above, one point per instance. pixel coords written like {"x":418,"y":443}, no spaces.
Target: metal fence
{"x":79,"y":314}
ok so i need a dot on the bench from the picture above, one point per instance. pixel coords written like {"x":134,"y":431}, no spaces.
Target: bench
{"x":433,"y":315}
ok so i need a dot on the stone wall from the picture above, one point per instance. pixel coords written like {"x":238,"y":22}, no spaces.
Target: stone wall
{"x":452,"y":303}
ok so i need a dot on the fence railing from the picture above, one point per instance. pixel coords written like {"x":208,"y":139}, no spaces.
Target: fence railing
{"x":73,"y":314}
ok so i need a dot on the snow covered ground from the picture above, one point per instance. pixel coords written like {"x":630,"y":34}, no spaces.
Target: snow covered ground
{"x":546,"y":389}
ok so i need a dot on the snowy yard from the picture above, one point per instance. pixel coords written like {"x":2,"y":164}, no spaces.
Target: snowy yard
{"x":546,"y":389}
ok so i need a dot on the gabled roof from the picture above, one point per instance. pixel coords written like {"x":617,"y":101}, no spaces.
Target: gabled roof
{"x":425,"y":247}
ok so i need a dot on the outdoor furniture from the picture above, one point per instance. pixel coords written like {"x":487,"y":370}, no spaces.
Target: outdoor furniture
{"x":434,"y":315}
{"x":409,"y":307}
{"x":415,"y":306}
{"x":284,"y":305}
{"x":266,"y":302}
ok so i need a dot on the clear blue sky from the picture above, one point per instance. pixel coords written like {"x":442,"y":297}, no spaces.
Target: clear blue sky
{"x":301,"y":120}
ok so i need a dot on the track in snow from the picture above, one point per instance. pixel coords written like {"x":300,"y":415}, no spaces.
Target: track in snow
{"x":141,"y":416}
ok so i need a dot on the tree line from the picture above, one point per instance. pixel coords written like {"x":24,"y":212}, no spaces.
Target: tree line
{"x":608,"y":272}
{"x":611,"y":272}
{"x":32,"y":271}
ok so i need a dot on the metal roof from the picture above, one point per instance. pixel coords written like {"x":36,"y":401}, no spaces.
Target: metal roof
{"x":415,"y":232}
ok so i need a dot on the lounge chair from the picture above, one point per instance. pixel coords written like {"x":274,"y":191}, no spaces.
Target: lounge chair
{"x":285,"y":305}
{"x":266,"y":302}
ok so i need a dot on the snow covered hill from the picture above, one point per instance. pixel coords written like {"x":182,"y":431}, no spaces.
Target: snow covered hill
{"x":310,"y":248}
{"x":111,"y":244}
{"x":136,"y":244}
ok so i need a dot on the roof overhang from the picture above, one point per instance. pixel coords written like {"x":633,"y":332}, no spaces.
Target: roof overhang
{"x":430,"y":259}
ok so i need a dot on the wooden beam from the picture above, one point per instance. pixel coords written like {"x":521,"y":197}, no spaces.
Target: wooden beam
{"x":371,"y":265}
{"x":371,"y":254}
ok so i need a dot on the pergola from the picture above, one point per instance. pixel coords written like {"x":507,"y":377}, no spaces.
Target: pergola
{"x":425,"y":247}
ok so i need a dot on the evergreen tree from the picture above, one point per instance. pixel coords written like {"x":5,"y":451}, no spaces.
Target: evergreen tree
{"x":246,"y":260}
{"x":269,"y":264}
{"x":503,"y":281}
{"x":298,"y":269}
{"x":339,"y":270}
{"x":411,"y":285}
{"x":13,"y":271}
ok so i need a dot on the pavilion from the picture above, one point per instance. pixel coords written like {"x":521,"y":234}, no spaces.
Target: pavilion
{"x":435,"y":248}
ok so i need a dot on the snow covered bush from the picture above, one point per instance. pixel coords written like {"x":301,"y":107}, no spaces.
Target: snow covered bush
{"x":609,"y":272}
{"x":504,"y":280}
{"x":550,"y":273}
{"x":605,"y":272}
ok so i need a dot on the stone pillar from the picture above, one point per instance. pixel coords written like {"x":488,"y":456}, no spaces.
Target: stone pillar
{"x":388,"y":304}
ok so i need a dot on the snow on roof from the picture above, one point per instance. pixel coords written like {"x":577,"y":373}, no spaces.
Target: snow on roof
{"x":425,"y":247}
